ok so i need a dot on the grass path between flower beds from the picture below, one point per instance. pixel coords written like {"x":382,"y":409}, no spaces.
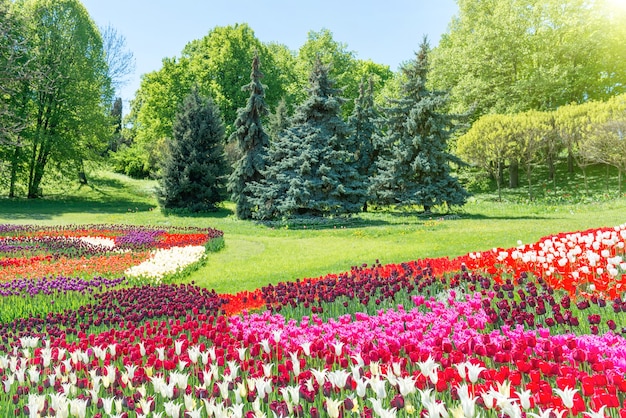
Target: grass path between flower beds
{"x":255,"y":255}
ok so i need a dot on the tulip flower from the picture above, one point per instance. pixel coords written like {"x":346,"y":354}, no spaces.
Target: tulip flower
{"x":107,"y":404}
{"x":35,"y":404}
{"x":172,"y":409}
{"x":78,"y":407}
{"x":473,"y":371}
{"x":338,"y":378}
{"x":428,"y":368}
{"x":597,"y":414}
{"x":406,"y":385}
{"x":524,"y":397}
{"x":567,"y":396}
{"x":306,"y":348}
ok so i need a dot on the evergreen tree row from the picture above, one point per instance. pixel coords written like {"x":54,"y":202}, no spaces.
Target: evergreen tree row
{"x":317,"y":164}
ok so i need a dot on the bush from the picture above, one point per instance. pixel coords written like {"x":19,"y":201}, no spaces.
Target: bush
{"x":131,"y":161}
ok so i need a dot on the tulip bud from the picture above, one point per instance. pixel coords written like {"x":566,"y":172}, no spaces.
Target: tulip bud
{"x":314,"y":413}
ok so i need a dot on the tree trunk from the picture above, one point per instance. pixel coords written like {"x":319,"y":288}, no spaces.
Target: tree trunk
{"x":570,"y":161}
{"x":13,"y":177}
{"x":82,"y":177}
{"x":36,"y":174}
{"x":499,"y":180}
{"x":530,"y":184}
{"x":514,"y":174}
{"x":551,"y":168}
{"x":34,"y":190}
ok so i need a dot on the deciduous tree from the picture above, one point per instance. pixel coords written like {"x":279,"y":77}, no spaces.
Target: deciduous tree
{"x":345,"y":68}
{"x":605,"y":139}
{"x":488,"y":145}
{"x":120,"y":60}
{"x":70,"y":105}
{"x":16,"y":74}
{"x":215,"y":63}
{"x":502,"y":56}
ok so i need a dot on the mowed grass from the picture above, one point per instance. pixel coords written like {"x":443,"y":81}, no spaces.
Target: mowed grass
{"x":256,"y":255}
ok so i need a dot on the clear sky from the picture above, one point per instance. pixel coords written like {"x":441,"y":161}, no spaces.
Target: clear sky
{"x":385,"y":31}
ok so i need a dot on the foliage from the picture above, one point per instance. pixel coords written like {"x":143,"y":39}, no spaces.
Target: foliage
{"x":589,"y":133}
{"x":193,"y":174}
{"x":289,"y":78}
{"x":606,"y":143}
{"x":413,"y":164}
{"x":155,"y":105}
{"x":278,"y":121}
{"x":363,"y":125}
{"x":501,"y":56}
{"x":345,"y":68}
{"x":487,"y":144}
{"x":15,"y":70}
{"x":219,"y":61}
{"x":131,"y":161}
{"x":68,"y":109}
{"x":308,"y":167}
{"x":216,"y":64}
{"x":252,"y":143}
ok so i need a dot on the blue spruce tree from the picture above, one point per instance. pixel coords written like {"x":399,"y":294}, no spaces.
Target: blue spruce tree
{"x":194,"y":167}
{"x":413,"y":167}
{"x":361,"y":143}
{"x":308,"y":169}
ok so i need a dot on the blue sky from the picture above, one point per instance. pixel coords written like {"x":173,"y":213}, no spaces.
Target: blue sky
{"x":385,"y":31}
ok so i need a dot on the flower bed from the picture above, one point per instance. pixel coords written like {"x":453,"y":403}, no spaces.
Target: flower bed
{"x":144,"y":252}
{"x":538,"y":329}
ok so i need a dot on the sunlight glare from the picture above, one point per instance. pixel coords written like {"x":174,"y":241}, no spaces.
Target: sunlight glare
{"x":619,"y":4}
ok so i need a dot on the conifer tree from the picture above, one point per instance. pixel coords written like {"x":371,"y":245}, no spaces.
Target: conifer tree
{"x":279,"y":120}
{"x":194,"y":168}
{"x":308,"y":166}
{"x":415,"y":168}
{"x":252,"y":142}
{"x":363,"y":124}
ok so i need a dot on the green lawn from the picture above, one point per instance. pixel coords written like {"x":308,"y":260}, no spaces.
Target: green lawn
{"x":256,"y":255}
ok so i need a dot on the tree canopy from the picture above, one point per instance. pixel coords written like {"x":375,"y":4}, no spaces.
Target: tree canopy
{"x":68,"y":108}
{"x":509,"y":56}
{"x":217,"y":64}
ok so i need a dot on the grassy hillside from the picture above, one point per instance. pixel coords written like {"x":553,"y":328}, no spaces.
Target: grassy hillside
{"x":256,"y":254}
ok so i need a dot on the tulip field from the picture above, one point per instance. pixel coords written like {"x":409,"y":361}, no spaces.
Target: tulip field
{"x":94,"y":322}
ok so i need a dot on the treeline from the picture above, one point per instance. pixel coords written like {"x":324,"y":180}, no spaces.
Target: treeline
{"x":589,"y":133}
{"x":58,"y":111}
{"x":219,"y":64}
{"x":317,"y":164}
